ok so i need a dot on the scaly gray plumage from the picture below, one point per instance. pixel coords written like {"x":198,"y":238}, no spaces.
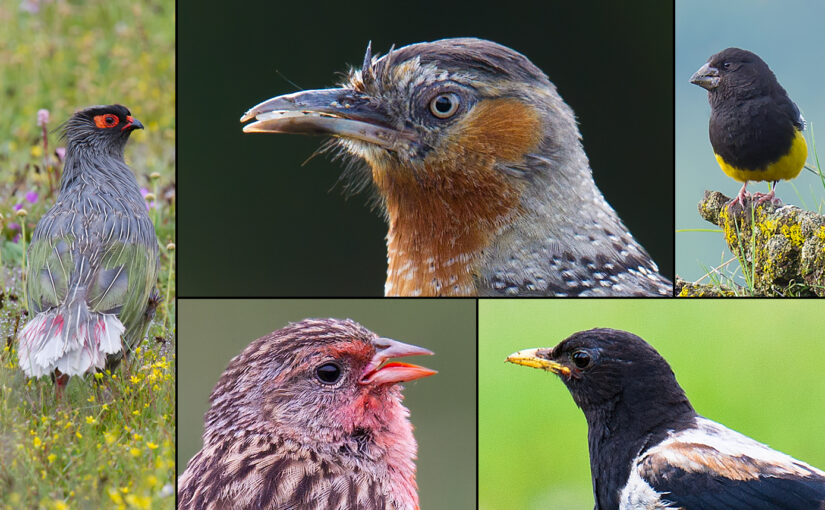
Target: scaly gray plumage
{"x":93,"y":259}
{"x":566,"y":239}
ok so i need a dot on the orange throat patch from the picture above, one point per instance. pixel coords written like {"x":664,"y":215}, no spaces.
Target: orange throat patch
{"x":435,"y":241}
{"x":443,"y":214}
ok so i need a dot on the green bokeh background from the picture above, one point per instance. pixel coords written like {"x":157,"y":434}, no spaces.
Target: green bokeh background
{"x":256,"y":223}
{"x":788,"y":35}
{"x":755,"y":366}
{"x":69,"y":55}
{"x":443,"y":407}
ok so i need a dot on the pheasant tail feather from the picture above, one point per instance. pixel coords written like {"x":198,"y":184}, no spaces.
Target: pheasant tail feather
{"x":71,"y":342}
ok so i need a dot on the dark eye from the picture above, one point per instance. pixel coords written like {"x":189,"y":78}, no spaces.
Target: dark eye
{"x":444,"y":105}
{"x":109,"y":120}
{"x":725,"y":65}
{"x":581,"y":359}
{"x":328,"y":373}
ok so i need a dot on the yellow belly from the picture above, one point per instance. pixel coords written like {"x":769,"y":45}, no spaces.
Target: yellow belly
{"x":787,"y":167}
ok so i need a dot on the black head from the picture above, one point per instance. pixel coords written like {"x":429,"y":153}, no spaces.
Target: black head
{"x":736,"y":72}
{"x":608,"y":369}
{"x":105,"y":128}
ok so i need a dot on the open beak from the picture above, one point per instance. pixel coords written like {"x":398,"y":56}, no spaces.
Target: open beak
{"x":339,"y":112}
{"x":706,"y":77}
{"x":131,"y":124}
{"x":394,"y":372}
{"x":533,"y":358}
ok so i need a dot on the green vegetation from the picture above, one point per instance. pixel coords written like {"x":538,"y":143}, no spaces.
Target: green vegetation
{"x":752,"y":365}
{"x":110,"y":442}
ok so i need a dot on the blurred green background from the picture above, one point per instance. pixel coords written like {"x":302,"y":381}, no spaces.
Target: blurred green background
{"x":788,"y":36}
{"x":63,"y":56}
{"x":442,"y":407}
{"x":755,"y":366}
{"x":296,"y":235}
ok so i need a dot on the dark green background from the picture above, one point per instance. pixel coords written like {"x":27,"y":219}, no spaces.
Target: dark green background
{"x":442,"y":407}
{"x":753,"y":365}
{"x":254,"y":222}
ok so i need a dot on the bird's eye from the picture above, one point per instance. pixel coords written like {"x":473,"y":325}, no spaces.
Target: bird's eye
{"x":581,"y":359}
{"x":444,"y":105}
{"x":725,"y":65}
{"x":328,"y":373}
{"x":106,"y":120}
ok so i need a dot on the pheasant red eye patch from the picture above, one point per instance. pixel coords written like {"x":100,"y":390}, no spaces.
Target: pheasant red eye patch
{"x":107,"y":120}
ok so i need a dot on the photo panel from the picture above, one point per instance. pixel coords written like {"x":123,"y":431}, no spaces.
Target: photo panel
{"x":87,"y":254}
{"x":442,"y":408}
{"x":747,"y":109}
{"x":752,"y":366}
{"x":293,"y":217}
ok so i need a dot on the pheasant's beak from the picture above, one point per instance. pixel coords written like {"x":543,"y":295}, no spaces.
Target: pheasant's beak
{"x":131,"y":124}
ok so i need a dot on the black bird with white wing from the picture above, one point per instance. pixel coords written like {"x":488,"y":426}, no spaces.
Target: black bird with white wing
{"x":649,"y":449}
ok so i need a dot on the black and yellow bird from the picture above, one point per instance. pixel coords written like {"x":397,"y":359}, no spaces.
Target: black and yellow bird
{"x":755,"y":128}
{"x":650,"y":450}
{"x":480,"y":170}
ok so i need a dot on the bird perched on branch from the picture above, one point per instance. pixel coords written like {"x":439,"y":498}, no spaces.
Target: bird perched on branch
{"x":649,"y":449}
{"x":93,"y":259}
{"x":309,"y":417}
{"x":755,"y":128}
{"x":480,"y":170}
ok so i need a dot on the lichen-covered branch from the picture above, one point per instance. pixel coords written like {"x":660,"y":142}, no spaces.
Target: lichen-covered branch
{"x":782,"y":247}
{"x":691,"y":289}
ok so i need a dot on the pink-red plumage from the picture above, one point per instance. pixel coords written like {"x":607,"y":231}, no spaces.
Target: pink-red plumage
{"x":309,"y":417}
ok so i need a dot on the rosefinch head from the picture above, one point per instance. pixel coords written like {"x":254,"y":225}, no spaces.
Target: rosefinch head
{"x":309,"y":417}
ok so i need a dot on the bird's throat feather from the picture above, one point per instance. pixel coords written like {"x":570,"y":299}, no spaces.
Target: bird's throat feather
{"x":443,"y":213}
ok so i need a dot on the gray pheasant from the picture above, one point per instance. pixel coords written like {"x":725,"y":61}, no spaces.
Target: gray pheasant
{"x":93,"y":260}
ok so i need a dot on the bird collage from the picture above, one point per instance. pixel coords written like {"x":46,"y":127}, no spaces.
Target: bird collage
{"x":456,"y":255}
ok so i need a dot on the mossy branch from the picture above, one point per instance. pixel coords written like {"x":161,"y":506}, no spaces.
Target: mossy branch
{"x":781,"y":247}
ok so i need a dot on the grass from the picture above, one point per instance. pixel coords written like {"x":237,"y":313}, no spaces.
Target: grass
{"x":110,"y":443}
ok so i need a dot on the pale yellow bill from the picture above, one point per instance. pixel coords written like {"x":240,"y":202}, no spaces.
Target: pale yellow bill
{"x":529,"y":358}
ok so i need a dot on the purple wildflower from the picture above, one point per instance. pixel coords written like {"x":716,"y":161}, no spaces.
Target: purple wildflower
{"x":17,"y":207}
{"x":31,"y":197}
{"x":42,"y":117}
{"x":30,"y":6}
